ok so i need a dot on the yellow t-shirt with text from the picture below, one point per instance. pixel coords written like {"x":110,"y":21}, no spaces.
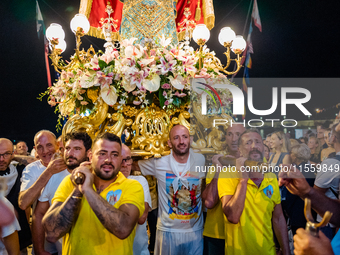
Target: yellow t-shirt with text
{"x":88,"y":235}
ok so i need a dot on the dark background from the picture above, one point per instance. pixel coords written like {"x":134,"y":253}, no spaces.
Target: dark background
{"x":299,"y":39}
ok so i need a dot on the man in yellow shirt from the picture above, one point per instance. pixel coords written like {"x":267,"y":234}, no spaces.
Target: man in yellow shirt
{"x":251,"y":204}
{"x":214,"y":224}
{"x":99,"y":216}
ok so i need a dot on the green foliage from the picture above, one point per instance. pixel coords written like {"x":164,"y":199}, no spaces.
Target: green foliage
{"x":102,"y":64}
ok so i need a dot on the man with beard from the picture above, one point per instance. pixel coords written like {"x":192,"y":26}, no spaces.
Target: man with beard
{"x":251,"y":204}
{"x":77,"y":149}
{"x":100,"y":215}
{"x":180,"y":225}
{"x":214,"y":224}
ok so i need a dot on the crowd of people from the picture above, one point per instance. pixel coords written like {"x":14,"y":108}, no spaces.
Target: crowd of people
{"x":165,"y":206}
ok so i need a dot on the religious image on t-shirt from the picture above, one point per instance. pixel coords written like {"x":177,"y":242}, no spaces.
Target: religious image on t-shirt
{"x":183,"y":202}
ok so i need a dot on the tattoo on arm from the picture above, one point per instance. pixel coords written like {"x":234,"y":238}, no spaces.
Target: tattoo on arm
{"x":104,"y":210}
{"x":61,"y":216}
{"x":119,"y":222}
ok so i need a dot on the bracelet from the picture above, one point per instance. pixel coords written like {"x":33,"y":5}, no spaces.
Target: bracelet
{"x":75,"y":197}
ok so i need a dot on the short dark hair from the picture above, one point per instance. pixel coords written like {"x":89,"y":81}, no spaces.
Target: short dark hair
{"x":267,"y":147}
{"x":83,"y":136}
{"x":304,"y":138}
{"x":324,"y":125}
{"x":108,"y":136}
{"x":250,"y":130}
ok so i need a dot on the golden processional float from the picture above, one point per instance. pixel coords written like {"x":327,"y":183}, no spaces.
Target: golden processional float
{"x":144,"y":86}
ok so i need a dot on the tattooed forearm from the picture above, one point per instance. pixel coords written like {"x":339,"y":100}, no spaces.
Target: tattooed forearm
{"x":24,"y":160}
{"x":119,"y":222}
{"x":61,"y":216}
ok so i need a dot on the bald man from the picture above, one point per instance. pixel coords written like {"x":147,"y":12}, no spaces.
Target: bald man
{"x":180,"y":220}
{"x":12,"y":175}
{"x":37,"y":174}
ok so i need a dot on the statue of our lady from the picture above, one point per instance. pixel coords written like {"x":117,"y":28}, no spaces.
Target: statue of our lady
{"x":148,"y":19}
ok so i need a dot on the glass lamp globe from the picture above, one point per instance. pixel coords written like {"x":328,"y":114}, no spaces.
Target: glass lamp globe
{"x":55,"y":31}
{"x":239,"y":44}
{"x":226,"y":35}
{"x":80,"y":20}
{"x":201,"y":32}
{"x":61,"y":46}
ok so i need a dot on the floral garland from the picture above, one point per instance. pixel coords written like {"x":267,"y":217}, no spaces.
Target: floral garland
{"x":133,"y":76}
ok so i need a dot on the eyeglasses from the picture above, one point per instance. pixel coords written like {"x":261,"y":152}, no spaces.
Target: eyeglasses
{"x":127,"y":161}
{"x":6,"y":155}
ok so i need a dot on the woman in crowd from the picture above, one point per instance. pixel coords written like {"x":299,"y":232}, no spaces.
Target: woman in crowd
{"x":330,"y":149}
{"x":266,"y":152}
{"x":281,"y":144}
{"x":315,"y":149}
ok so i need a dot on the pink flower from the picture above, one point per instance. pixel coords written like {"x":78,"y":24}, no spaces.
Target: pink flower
{"x":70,"y":74}
{"x":203,"y":74}
{"x":152,"y":52}
{"x":52,"y":102}
{"x":135,"y":93}
{"x":166,"y":102}
{"x":164,"y":93}
{"x":180,"y":94}
{"x":136,"y":102}
{"x":166,"y":86}
{"x":165,"y":66}
{"x":63,"y":75}
{"x":142,"y":89}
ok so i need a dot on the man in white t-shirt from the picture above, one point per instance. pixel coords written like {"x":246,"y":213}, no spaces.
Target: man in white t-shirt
{"x":77,"y":149}
{"x":36,"y":175}
{"x":140,"y":243}
{"x":180,"y":219}
{"x":9,"y":241}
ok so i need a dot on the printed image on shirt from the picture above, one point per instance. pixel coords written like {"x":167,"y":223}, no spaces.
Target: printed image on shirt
{"x":113,"y":196}
{"x":268,"y":191}
{"x":183,"y":202}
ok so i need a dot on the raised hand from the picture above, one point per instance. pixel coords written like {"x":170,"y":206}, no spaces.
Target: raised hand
{"x":294,"y":180}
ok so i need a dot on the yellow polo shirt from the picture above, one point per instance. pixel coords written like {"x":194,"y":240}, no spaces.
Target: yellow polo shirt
{"x":88,"y":235}
{"x":214,"y":222}
{"x":253,"y":234}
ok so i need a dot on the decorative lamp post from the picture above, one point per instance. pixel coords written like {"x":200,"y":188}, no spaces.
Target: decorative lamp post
{"x":201,"y":35}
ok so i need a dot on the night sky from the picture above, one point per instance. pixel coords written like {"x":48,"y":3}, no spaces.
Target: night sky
{"x":300,"y":39}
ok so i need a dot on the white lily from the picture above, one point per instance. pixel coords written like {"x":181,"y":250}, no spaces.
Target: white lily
{"x":108,"y":94}
{"x":132,"y":51}
{"x":165,"y":42}
{"x":153,"y":84}
{"x":128,"y":42}
{"x":128,"y":86}
{"x":177,"y":82}
{"x":88,"y":80}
